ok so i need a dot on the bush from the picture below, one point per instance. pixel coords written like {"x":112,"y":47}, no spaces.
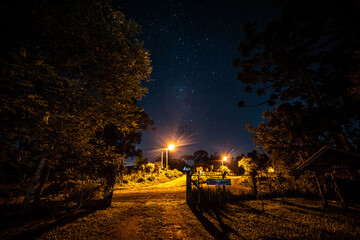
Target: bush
{"x":140,"y":179}
{"x":169,"y":174}
{"x":150,"y":167}
{"x":177,"y":173}
{"x":125,"y":181}
{"x":224,"y":169}
{"x":151,"y":178}
{"x":82,"y":192}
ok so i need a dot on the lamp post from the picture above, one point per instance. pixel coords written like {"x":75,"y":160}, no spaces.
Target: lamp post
{"x":169,"y":148}
{"x":162,"y":158}
{"x":223,"y":159}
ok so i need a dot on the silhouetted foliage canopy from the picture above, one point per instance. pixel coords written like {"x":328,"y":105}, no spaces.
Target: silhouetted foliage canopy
{"x":307,"y":66}
{"x":71,"y":74}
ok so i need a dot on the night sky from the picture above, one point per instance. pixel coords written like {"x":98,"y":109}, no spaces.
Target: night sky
{"x":194,"y":95}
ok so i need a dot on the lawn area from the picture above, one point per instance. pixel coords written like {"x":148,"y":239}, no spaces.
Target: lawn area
{"x":291,"y":218}
{"x":160,"y":212}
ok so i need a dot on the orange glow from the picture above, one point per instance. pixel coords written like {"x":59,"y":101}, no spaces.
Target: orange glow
{"x":166,"y":136}
{"x":224,"y":158}
{"x":171,"y":147}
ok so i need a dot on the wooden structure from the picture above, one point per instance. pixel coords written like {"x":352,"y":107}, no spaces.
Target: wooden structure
{"x":189,"y":182}
{"x":326,"y":163}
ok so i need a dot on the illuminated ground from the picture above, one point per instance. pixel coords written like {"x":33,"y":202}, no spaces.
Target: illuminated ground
{"x":160,"y":212}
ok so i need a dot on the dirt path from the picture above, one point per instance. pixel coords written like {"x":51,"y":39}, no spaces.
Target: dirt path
{"x":160,"y":212}
{"x":157,"y":212}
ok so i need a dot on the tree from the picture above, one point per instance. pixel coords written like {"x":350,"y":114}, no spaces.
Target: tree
{"x":140,"y":160}
{"x":252,"y":164}
{"x":68,"y":70}
{"x":307,"y":56}
{"x":292,"y":133}
{"x":125,"y":143}
{"x":215,"y":156}
{"x":177,"y":164}
{"x":234,"y":166}
{"x":187,"y":158}
{"x":201,"y":156}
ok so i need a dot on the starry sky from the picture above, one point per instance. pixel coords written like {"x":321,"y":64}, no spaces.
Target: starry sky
{"x":193,"y":98}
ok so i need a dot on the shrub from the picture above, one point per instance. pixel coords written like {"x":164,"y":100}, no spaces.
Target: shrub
{"x":151,"y":178}
{"x":150,"y":167}
{"x":125,"y":181}
{"x":169,"y":174}
{"x":224,"y":169}
{"x":82,"y":192}
{"x":176,"y":173}
{"x":140,"y":179}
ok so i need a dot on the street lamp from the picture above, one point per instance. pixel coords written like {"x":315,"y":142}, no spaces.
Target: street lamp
{"x":169,"y":148}
{"x":223,"y":159}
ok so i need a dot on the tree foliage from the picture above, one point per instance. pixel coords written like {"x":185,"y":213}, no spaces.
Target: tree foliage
{"x":70,"y":70}
{"x":305,"y":63}
{"x":252,"y":164}
{"x":304,"y":55}
{"x":201,"y":156}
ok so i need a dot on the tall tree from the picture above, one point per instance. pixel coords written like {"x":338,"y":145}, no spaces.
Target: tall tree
{"x":68,"y":70}
{"x":252,"y":164}
{"x":291,"y":133}
{"x":201,"y":156}
{"x":307,"y":56}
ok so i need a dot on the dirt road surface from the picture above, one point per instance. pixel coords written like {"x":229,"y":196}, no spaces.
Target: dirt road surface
{"x":158,"y":212}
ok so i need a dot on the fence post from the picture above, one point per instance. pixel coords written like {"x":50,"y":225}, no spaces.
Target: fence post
{"x":262,"y":201}
{"x":223,"y":177}
{"x":188,"y":187}
{"x":199,"y":190}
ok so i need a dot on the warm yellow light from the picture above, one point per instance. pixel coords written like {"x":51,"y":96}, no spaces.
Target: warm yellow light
{"x":225,"y":158}
{"x":171,"y":147}
{"x":271,"y":170}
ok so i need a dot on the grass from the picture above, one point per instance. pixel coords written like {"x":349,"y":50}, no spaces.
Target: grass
{"x":143,"y":179}
{"x":153,"y":215}
{"x":98,"y":225}
{"x":293,"y":218}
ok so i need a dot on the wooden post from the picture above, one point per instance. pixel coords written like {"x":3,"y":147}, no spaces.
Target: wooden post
{"x":188,"y":187}
{"x":270,"y":180}
{"x":339,"y":192}
{"x":325,"y":204}
{"x":261,"y":196}
{"x":34,"y":183}
{"x":223,"y":177}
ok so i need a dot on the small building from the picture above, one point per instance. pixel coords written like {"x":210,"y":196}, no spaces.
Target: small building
{"x":337,"y":169}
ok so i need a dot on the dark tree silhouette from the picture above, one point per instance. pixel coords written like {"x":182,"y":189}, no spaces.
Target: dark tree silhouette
{"x":252,"y":164}
{"x":201,"y":156}
{"x":307,"y":56}
{"x":68,"y":70}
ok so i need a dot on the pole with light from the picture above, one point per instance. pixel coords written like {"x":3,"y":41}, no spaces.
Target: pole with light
{"x":223,"y":159}
{"x":169,"y":148}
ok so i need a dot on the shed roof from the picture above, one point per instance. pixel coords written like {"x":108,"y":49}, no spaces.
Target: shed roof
{"x":329,"y":157}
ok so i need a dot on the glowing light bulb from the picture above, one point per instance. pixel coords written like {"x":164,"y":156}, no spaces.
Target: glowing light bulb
{"x":171,"y":147}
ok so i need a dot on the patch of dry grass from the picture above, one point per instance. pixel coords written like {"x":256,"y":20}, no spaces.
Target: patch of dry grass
{"x":98,"y":225}
{"x":147,"y":179}
{"x":291,"y":219}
